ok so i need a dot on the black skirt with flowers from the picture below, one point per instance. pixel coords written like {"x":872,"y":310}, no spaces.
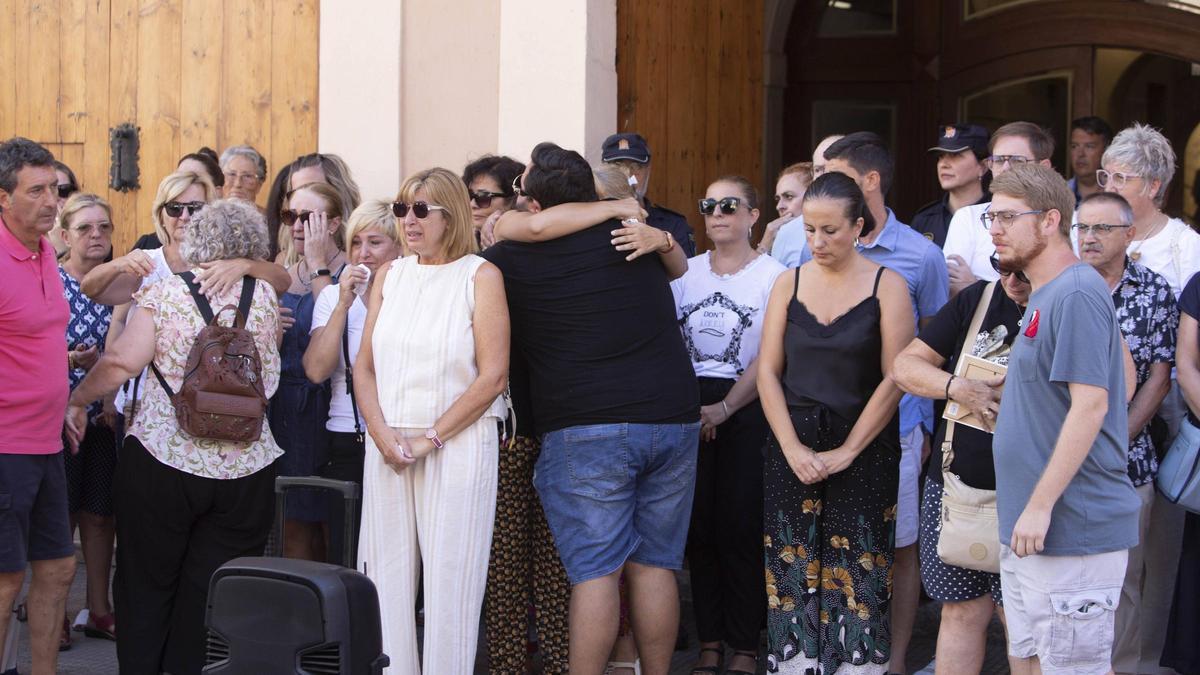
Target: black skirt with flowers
{"x":829,"y":550}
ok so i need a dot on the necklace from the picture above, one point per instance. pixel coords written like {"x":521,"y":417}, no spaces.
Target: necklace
{"x":1136,"y":254}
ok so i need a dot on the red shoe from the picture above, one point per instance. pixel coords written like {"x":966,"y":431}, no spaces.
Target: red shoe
{"x":102,"y":627}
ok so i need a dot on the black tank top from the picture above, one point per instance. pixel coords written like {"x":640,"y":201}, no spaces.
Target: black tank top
{"x":837,"y":366}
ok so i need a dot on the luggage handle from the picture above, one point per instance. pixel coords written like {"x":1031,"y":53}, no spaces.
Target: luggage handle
{"x":351,"y":491}
{"x":348,"y":488}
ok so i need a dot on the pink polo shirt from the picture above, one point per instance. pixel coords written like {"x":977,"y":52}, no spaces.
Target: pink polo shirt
{"x":33,"y":348}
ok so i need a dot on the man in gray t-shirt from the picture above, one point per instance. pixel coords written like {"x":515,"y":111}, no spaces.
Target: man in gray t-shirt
{"x":1067,"y":509}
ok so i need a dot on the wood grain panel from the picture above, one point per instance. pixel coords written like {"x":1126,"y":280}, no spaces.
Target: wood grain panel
{"x":202,"y":42}
{"x":689,"y":79}
{"x":187,"y":72}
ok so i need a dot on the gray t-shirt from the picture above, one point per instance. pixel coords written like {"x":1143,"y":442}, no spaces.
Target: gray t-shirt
{"x":1068,"y":334}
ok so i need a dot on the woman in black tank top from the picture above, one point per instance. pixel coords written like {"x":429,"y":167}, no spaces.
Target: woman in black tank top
{"x":832,"y":461}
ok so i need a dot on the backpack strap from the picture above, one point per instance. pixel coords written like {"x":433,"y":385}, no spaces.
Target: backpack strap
{"x":193,"y":287}
{"x":162,"y":381}
{"x":243,"y":315}
{"x":350,"y":379}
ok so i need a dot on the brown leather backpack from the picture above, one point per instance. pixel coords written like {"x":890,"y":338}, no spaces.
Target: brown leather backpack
{"x":222,"y":395}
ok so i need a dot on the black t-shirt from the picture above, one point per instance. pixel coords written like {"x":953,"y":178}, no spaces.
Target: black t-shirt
{"x":945,"y":334}
{"x":597,"y":333}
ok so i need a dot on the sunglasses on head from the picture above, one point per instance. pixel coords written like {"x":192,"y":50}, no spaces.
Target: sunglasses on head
{"x":518,"y":186}
{"x":67,"y":190}
{"x":483,"y":198}
{"x":996,"y":266}
{"x":420,"y":209}
{"x":728,"y":205}
{"x":175,"y":209}
{"x":289,"y":217}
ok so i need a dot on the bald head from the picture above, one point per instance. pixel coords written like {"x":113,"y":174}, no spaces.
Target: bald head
{"x":818,"y":159}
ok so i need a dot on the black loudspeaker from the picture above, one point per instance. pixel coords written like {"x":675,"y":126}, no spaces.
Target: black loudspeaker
{"x":276,"y":615}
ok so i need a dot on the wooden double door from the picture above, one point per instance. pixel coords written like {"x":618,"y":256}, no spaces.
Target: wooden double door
{"x":904,"y":68}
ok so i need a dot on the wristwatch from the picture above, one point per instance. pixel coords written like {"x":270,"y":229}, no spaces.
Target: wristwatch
{"x":323,"y":272}
{"x":433,"y":437}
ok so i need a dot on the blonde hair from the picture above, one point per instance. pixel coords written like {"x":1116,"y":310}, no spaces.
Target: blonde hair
{"x":802,"y":169}
{"x":373,"y":213}
{"x":612,"y":181}
{"x":76,"y":203}
{"x":335,"y":207}
{"x":444,"y":188}
{"x":169,"y":190}
{"x":1041,"y":188}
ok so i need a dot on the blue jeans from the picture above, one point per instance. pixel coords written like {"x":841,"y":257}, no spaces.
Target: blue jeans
{"x":617,"y":492}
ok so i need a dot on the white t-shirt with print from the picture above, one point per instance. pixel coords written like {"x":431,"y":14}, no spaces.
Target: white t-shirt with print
{"x":341,"y":412}
{"x":722,"y":315}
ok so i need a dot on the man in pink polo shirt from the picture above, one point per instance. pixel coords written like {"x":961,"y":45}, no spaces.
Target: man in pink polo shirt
{"x":34,"y":529}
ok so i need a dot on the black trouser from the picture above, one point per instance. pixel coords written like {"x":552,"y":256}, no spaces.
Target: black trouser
{"x":347,"y":451}
{"x":175,"y":529}
{"x":725,"y":546}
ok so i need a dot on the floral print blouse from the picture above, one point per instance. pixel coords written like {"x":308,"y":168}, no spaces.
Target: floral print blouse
{"x":177,"y":320}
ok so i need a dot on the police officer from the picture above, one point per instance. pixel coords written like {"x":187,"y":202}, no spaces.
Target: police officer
{"x":630,"y":152}
{"x":961,"y":151}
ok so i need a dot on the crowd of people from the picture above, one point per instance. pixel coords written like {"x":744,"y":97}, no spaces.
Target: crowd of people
{"x":552,"y":402}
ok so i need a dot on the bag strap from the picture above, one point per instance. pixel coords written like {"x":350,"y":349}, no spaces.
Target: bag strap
{"x":244,"y":302}
{"x":972,"y":334}
{"x":350,"y":379}
{"x":193,"y":287}
{"x":162,"y":381}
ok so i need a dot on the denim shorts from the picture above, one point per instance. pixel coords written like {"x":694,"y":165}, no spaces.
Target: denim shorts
{"x":617,"y":492}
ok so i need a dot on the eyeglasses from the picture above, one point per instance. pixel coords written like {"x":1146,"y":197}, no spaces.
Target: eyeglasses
{"x":103,"y":227}
{"x":1098,"y":228}
{"x":728,"y":206}
{"x":1118,"y":178}
{"x":231,"y":177}
{"x":66,"y":190}
{"x":996,"y":266}
{"x":175,"y":209}
{"x":518,"y":186}
{"x":1006,"y":218}
{"x":289,"y":217}
{"x":420,"y":209}
{"x":483,"y":198}
{"x":1000,"y":160}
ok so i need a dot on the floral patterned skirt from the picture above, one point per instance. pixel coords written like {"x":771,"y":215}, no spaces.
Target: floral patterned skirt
{"x":829,"y":551}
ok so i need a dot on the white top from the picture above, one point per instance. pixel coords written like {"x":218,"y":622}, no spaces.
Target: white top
{"x":423,"y":342}
{"x":341,"y":410}
{"x":1173,"y":252}
{"x":161,"y":271}
{"x":966,"y":237}
{"x":722,"y":316}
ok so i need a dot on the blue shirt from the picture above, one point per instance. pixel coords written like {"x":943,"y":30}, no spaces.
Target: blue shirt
{"x":907,"y":253}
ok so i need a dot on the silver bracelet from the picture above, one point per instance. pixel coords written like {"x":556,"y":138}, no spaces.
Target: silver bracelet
{"x":725,"y":408}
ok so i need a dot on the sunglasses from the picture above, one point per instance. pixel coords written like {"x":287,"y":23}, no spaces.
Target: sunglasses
{"x":483,"y":198}
{"x":175,"y":209}
{"x":518,"y":186}
{"x":420,"y":209}
{"x":996,"y":266}
{"x":728,"y":206}
{"x":67,"y":190}
{"x":289,"y":217}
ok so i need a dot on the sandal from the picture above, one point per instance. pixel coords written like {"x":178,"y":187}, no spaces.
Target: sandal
{"x":104,"y":627}
{"x":634,"y":665}
{"x":711,"y":669}
{"x":64,"y":638}
{"x":744,"y":652}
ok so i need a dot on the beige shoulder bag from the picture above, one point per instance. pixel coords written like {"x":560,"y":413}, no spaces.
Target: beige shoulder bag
{"x":970,"y":533}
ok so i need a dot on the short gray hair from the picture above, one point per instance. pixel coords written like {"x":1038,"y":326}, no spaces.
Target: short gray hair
{"x":224,"y":230}
{"x":248,"y":152}
{"x":1146,"y":152}
{"x":1109,"y":198}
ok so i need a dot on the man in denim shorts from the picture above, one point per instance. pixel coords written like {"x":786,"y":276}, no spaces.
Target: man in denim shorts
{"x":615,"y":402}
{"x":1068,"y":511}
{"x":33,"y":367}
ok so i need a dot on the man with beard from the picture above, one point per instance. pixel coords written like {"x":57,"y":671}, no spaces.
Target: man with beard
{"x":1067,"y":509}
{"x":34,"y":527}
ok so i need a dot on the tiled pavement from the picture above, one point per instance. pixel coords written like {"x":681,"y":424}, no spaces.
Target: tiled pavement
{"x":91,"y":656}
